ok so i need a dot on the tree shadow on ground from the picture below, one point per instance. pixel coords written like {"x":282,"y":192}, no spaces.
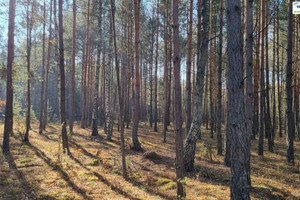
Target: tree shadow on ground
{"x":30,"y":192}
{"x":58,"y":169}
{"x":272,"y":193}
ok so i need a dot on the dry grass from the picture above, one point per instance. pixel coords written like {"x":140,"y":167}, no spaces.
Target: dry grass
{"x":39,"y":170}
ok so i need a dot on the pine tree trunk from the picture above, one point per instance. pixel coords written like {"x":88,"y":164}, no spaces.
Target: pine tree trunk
{"x":289,"y":94}
{"x":202,"y":54}
{"x":8,"y":122}
{"x":156,"y":69}
{"x":166,"y":74}
{"x":84,"y":74}
{"x":28,"y":58}
{"x":219,"y":108}
{"x":188,"y":71}
{"x":72,"y":75}
{"x":240,"y":148}
{"x":41,"y":125}
{"x":136,"y":114}
{"x":262,"y":78}
{"x":249,"y":79}
{"x":62,"y":82}
{"x":177,"y":106}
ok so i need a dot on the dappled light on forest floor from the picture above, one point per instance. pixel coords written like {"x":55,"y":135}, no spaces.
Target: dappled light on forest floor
{"x":39,"y":169}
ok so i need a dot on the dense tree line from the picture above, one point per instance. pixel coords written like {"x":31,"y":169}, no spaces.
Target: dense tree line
{"x":100,"y":64}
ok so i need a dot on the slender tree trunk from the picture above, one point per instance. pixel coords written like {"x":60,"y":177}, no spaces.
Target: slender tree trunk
{"x":96,"y":82}
{"x":273,"y":79}
{"x":29,"y":39}
{"x":262,"y":78}
{"x":8,"y":122}
{"x":219,"y":108}
{"x":166,"y":74}
{"x":211,"y":87}
{"x":156,"y":69}
{"x":72,"y":75}
{"x":177,"y":106}
{"x":249,"y":79}
{"x":278,"y":73}
{"x":240,"y":147}
{"x":268,"y":128}
{"x":188,"y":71}
{"x":136,"y":114}
{"x":202,"y":54}
{"x":121,"y":102}
{"x":151,"y":75}
{"x":41,"y":126}
{"x":255,"y":129}
{"x":62,"y":81}
{"x":289,"y":94}
{"x":85,"y":65}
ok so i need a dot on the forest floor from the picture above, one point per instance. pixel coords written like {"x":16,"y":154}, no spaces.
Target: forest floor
{"x":39,"y":170}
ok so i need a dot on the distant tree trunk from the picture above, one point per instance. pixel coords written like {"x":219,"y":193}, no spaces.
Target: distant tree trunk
{"x":202,"y":54}
{"x":72,"y":75}
{"x":156,"y":69}
{"x":62,"y":81}
{"x":262,"y":79}
{"x":256,"y":87}
{"x":8,"y":122}
{"x":136,"y":114}
{"x":47,"y":67}
{"x":219,"y":108}
{"x":56,"y":55}
{"x":97,"y":73}
{"x":177,"y":106}
{"x":240,"y":147}
{"x":108,"y":103}
{"x":289,"y":94}
{"x":211,"y":87}
{"x":85,"y":65}
{"x":166,"y":74}
{"x":41,"y":126}
{"x":205,"y":113}
{"x":188,"y":71}
{"x":273,"y":78}
{"x":151,"y":75}
{"x":28,"y":58}
{"x":268,"y":128}
{"x":278,"y":72}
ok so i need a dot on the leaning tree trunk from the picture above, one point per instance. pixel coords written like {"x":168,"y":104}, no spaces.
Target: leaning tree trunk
{"x":240,"y":147}
{"x":202,"y":53}
{"x":8,"y":123}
